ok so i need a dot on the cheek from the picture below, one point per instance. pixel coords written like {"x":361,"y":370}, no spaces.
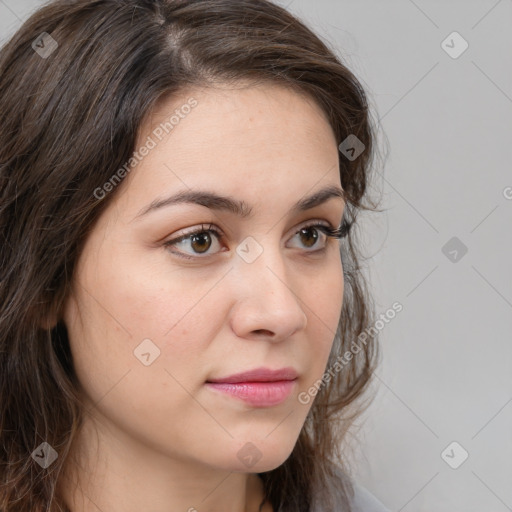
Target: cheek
{"x":322,"y":295}
{"x":133,"y":315}
{"x":116,"y":383}
{"x":324,"y":309}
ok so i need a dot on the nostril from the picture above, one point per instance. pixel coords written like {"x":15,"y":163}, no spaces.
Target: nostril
{"x":264,"y":331}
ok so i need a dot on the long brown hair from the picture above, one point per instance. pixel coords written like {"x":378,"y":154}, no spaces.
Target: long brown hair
{"x":77,"y":81}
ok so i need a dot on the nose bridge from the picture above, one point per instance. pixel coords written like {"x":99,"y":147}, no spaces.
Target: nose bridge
{"x":261,"y":263}
{"x":266,"y":298}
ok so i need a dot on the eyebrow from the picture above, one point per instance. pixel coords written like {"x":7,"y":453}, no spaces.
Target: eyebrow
{"x":219,"y":202}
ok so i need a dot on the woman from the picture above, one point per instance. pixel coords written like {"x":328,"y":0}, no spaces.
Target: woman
{"x":184,"y":324}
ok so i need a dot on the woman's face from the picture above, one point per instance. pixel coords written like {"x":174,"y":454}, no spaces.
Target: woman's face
{"x":151,"y":324}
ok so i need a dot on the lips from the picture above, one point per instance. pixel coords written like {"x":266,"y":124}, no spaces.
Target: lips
{"x":259,"y":375}
{"x":260,"y":387}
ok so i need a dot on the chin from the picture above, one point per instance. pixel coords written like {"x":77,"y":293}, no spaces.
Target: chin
{"x":261,"y":455}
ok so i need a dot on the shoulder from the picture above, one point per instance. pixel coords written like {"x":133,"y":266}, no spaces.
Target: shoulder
{"x":365,"y":501}
{"x":361,"y":500}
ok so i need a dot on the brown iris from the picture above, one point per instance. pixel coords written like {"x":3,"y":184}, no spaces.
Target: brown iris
{"x":202,"y":242}
{"x":312,"y":231}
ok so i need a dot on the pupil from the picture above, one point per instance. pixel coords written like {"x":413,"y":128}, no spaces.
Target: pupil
{"x":204,"y":238}
{"x":314,"y":237}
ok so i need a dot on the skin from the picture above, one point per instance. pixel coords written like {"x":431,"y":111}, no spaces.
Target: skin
{"x":156,"y":437}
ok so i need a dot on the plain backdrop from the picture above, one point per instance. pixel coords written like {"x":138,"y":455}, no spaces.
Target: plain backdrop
{"x":442,"y":247}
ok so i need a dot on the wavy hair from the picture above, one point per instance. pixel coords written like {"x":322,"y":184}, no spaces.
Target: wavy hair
{"x":69,"y":116}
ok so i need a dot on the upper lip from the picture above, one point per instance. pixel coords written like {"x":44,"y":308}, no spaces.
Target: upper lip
{"x":259,"y":375}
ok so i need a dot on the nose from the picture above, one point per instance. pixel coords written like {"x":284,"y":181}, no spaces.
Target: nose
{"x":266,"y":304}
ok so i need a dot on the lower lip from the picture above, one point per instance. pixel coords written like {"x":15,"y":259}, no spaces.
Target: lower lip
{"x":258,"y":394}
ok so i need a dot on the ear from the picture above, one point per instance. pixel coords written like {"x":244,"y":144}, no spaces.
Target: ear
{"x":48,"y":322}
{"x":47,"y":316}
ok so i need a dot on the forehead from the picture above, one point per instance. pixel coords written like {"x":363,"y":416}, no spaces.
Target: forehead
{"x":267,"y":112}
{"x":245,"y":141}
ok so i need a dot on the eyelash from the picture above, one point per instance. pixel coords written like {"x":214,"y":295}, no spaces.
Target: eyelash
{"x":328,"y":230}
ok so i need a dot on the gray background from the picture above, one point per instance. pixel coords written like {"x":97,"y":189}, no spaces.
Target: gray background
{"x":446,"y":372}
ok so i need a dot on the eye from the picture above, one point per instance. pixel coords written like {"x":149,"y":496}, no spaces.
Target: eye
{"x":309,"y":235}
{"x":200,"y":240}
